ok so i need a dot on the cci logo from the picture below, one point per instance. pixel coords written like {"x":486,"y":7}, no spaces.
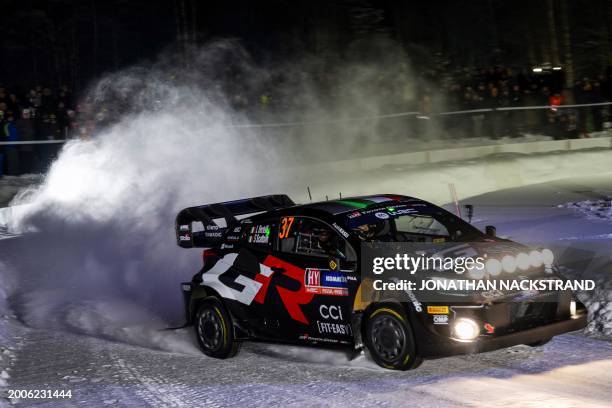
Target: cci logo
{"x":330,"y":312}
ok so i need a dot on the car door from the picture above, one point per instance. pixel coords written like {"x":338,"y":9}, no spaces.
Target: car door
{"x":317,"y":282}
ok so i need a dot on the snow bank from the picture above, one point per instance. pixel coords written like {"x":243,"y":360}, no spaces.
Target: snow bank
{"x":598,"y":209}
{"x":7,"y":335}
{"x":599,"y":303}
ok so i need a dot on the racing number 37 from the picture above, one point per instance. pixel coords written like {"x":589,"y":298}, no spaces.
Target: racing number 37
{"x":285,"y":227}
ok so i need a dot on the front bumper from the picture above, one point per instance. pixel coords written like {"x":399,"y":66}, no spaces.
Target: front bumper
{"x":453,"y":347}
{"x":480,"y":345}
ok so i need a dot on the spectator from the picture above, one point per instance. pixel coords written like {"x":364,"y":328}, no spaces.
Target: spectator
{"x":25,"y":130}
{"x":11,"y":151}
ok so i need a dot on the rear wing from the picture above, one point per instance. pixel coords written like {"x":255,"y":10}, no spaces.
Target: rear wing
{"x":217,"y":219}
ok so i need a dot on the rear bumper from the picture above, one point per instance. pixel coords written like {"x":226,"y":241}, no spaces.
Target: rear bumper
{"x":484,"y":343}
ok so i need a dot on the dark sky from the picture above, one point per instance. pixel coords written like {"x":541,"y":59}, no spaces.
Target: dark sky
{"x":72,"y":42}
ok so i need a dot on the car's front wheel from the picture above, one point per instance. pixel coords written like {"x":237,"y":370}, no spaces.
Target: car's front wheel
{"x":215,"y":331}
{"x":389,"y":339}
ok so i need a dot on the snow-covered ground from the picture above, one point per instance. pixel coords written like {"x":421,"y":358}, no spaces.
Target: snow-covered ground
{"x":107,"y":347}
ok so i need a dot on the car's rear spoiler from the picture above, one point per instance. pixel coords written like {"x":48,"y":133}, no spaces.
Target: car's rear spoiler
{"x":213,"y":233}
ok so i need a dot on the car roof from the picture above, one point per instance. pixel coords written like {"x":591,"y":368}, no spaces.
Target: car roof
{"x":343,"y":205}
{"x":350,"y":204}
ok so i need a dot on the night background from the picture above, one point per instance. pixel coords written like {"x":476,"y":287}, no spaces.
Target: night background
{"x":477,"y":121}
{"x":71,"y":42}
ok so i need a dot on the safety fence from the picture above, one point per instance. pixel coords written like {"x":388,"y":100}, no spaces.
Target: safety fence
{"x":556,"y":121}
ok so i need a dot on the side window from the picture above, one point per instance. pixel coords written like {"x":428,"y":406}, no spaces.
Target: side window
{"x":311,"y":237}
{"x":420,"y":224}
{"x":259,"y":234}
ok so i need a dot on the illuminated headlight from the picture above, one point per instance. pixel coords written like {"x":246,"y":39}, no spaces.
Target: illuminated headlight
{"x":548,"y":257}
{"x":476,"y":272}
{"x":573,"y":308}
{"x":493,"y":267}
{"x":523,"y":261}
{"x":536,"y":258}
{"x":509,"y":263}
{"x":465,"y":329}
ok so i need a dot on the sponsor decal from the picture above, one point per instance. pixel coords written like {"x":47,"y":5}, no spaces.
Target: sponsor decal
{"x":381,"y":215}
{"x":237,"y":229}
{"x":210,"y":227}
{"x":292,"y":298}
{"x":259,"y":234}
{"x":334,"y":328}
{"x":402,"y":211}
{"x":489,"y":328}
{"x":333,"y":265}
{"x":212,"y":234}
{"x":332,"y":312}
{"x":227,"y":246}
{"x":440,"y":319}
{"x":325,"y":282}
{"x":437,"y":310}
{"x":341,"y":230}
{"x":233,"y":238}
{"x":415,"y":302}
{"x":354,"y":215}
{"x":321,"y":340}
{"x":185,"y":237}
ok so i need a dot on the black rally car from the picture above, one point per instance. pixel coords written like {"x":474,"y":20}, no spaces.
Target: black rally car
{"x":291,"y":273}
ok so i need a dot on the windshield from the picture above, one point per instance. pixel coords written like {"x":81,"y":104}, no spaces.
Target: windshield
{"x":421,"y":222}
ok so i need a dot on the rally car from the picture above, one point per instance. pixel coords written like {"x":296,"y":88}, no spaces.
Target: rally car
{"x":276,"y":271}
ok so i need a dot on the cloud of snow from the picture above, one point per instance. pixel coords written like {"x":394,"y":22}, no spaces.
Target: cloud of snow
{"x":104,"y":259}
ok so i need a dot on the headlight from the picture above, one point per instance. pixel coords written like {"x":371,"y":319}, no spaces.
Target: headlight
{"x":536,"y":258}
{"x":476,"y":272}
{"x":493,"y":267}
{"x":548,"y":257}
{"x":465,"y":329}
{"x":509,"y":263}
{"x":523,"y":261}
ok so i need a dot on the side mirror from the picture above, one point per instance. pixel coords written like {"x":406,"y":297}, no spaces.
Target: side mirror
{"x":490,"y":231}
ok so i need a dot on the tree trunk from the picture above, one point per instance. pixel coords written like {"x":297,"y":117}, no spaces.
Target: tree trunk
{"x":552,"y":32}
{"x":94,"y":14}
{"x":568,"y":60}
{"x":194,"y":26}
{"x":73,"y":55}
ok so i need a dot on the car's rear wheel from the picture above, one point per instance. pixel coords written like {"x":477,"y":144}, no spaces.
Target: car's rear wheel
{"x":215,"y":331}
{"x":390,"y":340}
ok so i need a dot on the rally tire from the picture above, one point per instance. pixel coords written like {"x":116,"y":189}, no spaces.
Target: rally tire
{"x":214,"y":330}
{"x":390,"y":340}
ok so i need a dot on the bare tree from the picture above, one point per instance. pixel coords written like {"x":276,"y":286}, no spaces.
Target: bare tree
{"x":552,"y":32}
{"x":94,"y":15}
{"x":568,"y":60}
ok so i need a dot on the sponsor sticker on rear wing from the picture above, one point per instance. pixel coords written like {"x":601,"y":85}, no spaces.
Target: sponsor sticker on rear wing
{"x":206,"y":225}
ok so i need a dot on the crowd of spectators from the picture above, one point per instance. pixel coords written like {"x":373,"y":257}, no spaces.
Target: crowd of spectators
{"x":46,"y":114}
{"x":500,"y":87}
{"x":447,"y":89}
{"x":39,"y":114}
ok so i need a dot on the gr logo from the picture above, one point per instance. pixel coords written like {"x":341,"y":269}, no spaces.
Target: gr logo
{"x":330,"y":312}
